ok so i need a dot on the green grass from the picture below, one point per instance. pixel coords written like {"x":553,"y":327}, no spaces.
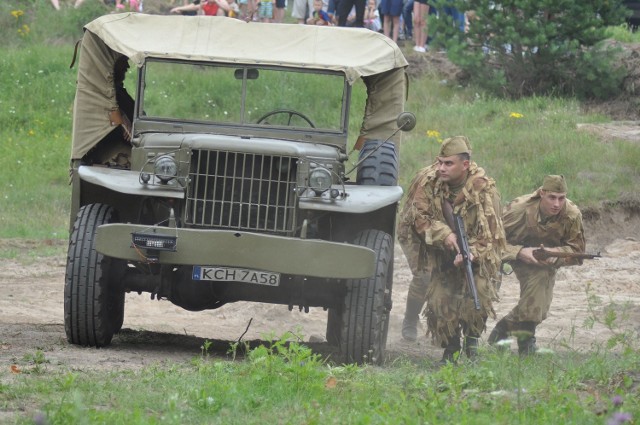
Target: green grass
{"x":35,"y":116}
{"x":622,"y":33}
{"x":289,"y":384}
{"x":519,"y":151}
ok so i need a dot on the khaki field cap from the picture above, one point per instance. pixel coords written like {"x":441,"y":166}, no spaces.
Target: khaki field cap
{"x":455,"y":146}
{"x":554,"y":184}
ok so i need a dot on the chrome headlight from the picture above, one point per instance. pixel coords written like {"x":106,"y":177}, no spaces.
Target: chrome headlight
{"x":165,"y":168}
{"x":320,"y":180}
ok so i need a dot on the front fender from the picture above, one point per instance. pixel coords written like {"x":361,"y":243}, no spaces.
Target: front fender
{"x":358,"y":199}
{"x":127,"y":181}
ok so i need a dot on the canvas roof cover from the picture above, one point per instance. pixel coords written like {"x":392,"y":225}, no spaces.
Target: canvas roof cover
{"x":357,"y":52}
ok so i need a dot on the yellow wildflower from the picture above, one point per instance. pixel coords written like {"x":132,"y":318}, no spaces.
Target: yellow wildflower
{"x":17,"y":13}
{"x":31,"y":133}
{"x":434,"y":134}
{"x":516,"y":115}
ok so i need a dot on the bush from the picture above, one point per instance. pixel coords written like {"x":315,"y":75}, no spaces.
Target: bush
{"x":517,"y":48}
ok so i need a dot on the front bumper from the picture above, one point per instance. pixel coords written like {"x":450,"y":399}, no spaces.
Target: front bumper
{"x":304,"y":257}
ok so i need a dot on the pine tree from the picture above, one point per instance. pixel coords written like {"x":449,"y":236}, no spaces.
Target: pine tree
{"x":524,"y":47}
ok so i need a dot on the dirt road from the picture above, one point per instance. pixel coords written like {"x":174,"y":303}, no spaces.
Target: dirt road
{"x":31,"y":311}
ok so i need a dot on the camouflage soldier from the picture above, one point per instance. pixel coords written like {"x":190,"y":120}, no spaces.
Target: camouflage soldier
{"x":424,"y":233}
{"x":415,"y":251}
{"x":544,"y":217}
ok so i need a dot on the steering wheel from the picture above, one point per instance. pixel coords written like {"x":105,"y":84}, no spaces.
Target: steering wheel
{"x":289,"y":112}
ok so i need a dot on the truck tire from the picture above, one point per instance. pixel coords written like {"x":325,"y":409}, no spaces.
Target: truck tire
{"x":93,"y":297}
{"x":379,"y":169}
{"x":363,"y":317}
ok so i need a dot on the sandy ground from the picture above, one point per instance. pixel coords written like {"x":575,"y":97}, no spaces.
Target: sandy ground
{"x":31,"y":313}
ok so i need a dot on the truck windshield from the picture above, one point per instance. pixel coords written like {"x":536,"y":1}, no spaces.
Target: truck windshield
{"x":243,"y":95}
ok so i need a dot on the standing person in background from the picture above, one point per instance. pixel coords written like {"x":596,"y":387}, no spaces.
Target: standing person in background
{"x":457,"y":16}
{"x":457,"y":184}
{"x":265,"y":10}
{"x":279,"y":11}
{"x":391,"y":11}
{"x":407,"y":19}
{"x":420,"y":28}
{"x":544,"y":217}
{"x":344,"y":9}
{"x":301,"y":10}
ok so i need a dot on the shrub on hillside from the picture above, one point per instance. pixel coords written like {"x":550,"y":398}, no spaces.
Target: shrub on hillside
{"x":518,"y":48}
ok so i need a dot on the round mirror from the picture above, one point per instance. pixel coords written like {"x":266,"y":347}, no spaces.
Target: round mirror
{"x":406,"y":121}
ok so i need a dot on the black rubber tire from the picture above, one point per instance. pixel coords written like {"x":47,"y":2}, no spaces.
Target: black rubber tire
{"x":93,"y":298}
{"x":363,"y":319}
{"x":379,"y":169}
{"x":334,"y":326}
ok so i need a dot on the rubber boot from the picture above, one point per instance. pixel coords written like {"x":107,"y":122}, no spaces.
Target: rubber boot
{"x":411,"y":317}
{"x":499,"y":332}
{"x":451,"y":351}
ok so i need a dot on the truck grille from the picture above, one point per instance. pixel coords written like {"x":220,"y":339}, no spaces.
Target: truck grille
{"x":245,"y":191}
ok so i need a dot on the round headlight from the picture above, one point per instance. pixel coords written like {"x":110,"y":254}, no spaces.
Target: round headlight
{"x":165,"y":168}
{"x":320,"y":180}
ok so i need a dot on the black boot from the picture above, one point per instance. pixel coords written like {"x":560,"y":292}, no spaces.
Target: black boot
{"x":499,"y":332}
{"x":471,"y":346}
{"x":411,"y":316}
{"x":527,"y":338}
{"x":451,"y":351}
{"x":527,"y":346}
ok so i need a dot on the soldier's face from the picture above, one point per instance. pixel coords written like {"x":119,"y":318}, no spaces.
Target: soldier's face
{"x":452,"y":169}
{"x":551,"y":203}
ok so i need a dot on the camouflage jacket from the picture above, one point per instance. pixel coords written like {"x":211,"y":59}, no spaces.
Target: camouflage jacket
{"x":479,"y":205}
{"x":524,"y":228}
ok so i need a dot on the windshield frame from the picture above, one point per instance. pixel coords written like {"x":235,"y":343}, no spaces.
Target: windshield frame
{"x":149,"y":123}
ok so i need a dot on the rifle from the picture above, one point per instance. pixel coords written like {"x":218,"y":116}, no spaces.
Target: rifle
{"x":542,"y":254}
{"x":457,"y":224}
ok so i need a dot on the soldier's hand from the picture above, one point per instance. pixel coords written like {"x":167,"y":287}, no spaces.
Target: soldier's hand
{"x":459,"y":260}
{"x":526,"y":256}
{"x":551,"y":261}
{"x":451,"y":242}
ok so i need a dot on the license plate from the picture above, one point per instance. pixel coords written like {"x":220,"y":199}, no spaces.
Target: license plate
{"x":233,"y":274}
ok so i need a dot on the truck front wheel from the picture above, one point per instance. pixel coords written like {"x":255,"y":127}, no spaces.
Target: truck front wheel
{"x":360,"y":324}
{"x":93,"y":296}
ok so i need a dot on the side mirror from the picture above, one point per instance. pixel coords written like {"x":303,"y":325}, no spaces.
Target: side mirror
{"x":406,"y":121}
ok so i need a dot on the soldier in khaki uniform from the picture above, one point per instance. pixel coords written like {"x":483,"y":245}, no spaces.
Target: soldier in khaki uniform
{"x":544,"y":217}
{"x":414,"y":249}
{"x":425,"y":235}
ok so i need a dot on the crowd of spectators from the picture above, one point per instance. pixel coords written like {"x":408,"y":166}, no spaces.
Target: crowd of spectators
{"x":398,"y":19}
{"x":120,"y":5}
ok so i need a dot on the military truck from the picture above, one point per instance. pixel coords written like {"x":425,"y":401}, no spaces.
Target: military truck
{"x":231,"y":180}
